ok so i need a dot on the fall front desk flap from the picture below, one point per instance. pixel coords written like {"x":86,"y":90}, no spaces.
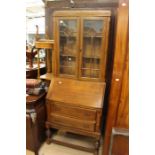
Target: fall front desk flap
{"x":84,"y":93}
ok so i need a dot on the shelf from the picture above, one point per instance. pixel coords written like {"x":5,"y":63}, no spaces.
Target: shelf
{"x":66,"y":55}
{"x":67,"y":75}
{"x":87,"y":77}
{"x":88,"y":57}
{"x":67,"y":66}
{"x":93,"y":69}
{"x":44,"y":43}
{"x":66,"y":36}
{"x":85,"y":36}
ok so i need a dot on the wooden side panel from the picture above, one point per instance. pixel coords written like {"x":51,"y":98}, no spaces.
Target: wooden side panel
{"x":123,"y":110}
{"x":117,"y":115}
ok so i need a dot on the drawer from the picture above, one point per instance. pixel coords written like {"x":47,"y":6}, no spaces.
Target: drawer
{"x":71,"y":122}
{"x":75,"y":112}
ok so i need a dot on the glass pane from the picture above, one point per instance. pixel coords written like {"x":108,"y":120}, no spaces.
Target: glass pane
{"x":67,"y":65}
{"x":67,"y":27}
{"x":92,"y":42}
{"x":95,"y":74}
{"x":67,"y":61}
{"x":97,"y":42}
{"x":95,"y":64}
{"x":91,"y":67}
{"x":86,"y":63}
{"x":86,"y":72}
{"x":68,"y":46}
{"x":93,"y":27}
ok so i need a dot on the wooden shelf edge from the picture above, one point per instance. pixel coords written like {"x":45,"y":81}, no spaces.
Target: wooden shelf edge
{"x":44,"y":43}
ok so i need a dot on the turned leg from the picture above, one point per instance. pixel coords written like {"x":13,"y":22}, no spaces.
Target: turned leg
{"x":97,"y":145}
{"x":36,"y":153}
{"x":48,"y":134}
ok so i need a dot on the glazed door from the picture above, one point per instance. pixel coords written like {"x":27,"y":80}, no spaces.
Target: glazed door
{"x":68,"y":46}
{"x":92,"y":47}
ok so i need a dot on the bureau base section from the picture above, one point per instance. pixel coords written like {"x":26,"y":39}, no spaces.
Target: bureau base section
{"x":61,"y":128}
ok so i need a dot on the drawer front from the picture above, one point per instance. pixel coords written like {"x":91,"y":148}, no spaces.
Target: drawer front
{"x":71,"y":122}
{"x":75,"y":112}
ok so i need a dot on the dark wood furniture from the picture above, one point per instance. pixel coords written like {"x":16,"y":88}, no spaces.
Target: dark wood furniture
{"x":75,"y":106}
{"x":35,"y":121}
{"x":76,"y":93}
{"x":116,"y":77}
{"x":32,"y":73}
{"x":118,"y":109}
{"x":112,"y":5}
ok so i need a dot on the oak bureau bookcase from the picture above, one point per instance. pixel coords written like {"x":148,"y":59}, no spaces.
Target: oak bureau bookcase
{"x":76,"y":93}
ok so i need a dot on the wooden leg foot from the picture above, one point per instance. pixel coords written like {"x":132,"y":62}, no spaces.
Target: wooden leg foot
{"x":36,"y":153}
{"x":97,"y":145}
{"x":96,"y":152}
{"x":48,"y":134}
